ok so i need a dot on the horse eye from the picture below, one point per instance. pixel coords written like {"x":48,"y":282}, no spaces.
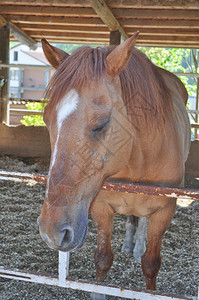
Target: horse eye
{"x":99,"y":128}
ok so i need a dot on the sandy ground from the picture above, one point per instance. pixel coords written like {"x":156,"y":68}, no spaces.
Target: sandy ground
{"x":21,"y":246}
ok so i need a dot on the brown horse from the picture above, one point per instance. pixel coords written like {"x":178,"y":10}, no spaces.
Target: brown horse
{"x":112,"y":113}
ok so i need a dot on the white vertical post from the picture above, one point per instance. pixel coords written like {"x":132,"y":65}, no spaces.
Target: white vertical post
{"x":8,"y":113}
{"x":63,"y":268}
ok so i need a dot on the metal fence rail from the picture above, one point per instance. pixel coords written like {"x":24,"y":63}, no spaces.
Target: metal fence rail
{"x":111,"y":185}
{"x":63,"y":268}
{"x":62,"y":281}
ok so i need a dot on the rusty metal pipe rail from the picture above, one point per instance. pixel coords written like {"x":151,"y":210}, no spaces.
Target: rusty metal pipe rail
{"x":111,"y":185}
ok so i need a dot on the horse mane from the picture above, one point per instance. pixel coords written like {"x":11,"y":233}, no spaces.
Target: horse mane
{"x":140,"y":80}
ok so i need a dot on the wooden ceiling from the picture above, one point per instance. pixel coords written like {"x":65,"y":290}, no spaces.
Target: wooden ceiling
{"x":167,"y":23}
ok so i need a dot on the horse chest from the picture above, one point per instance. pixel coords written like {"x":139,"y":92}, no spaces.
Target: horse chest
{"x":130,"y":204}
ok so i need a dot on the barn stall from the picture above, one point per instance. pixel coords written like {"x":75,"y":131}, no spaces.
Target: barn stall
{"x":21,"y":245}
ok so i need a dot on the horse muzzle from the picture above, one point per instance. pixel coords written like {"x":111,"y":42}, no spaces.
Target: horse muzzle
{"x":65,"y":237}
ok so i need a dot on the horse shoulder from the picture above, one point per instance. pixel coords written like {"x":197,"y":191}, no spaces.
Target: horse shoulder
{"x":179,"y":96}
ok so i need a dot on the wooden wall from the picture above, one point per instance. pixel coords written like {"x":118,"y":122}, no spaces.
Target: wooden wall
{"x":25,"y":141}
{"x":192,"y":163}
{"x":34,"y":142}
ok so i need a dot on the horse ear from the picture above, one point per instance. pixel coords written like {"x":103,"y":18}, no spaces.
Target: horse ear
{"x":54,"y":55}
{"x":118,"y":59}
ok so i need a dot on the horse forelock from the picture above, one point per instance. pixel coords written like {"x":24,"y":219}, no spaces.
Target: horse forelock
{"x":77,"y":70}
{"x":140,"y":81}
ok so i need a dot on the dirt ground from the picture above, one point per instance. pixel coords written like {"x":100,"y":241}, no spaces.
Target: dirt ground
{"x":21,"y":246}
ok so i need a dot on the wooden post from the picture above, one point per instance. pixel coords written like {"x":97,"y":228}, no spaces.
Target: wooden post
{"x":106,"y":15}
{"x":4,"y":72}
{"x":115,"y":37}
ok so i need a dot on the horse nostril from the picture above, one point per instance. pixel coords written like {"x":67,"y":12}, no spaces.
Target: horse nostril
{"x":67,"y":236}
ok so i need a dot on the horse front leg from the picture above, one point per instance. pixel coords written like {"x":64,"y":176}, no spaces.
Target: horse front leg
{"x":157,"y":225}
{"x":103,"y":217}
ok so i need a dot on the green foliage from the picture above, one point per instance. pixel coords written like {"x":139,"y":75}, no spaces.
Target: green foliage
{"x":173,"y":60}
{"x":13,"y":44}
{"x":167,"y":58}
{"x":36,"y":120}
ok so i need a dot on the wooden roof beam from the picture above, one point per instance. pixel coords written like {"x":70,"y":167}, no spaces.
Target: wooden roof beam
{"x":137,"y":24}
{"x":31,"y":27}
{"x":103,"y":29}
{"x":147,"y":23}
{"x":56,"y":20}
{"x":180,"y":4}
{"x":64,"y":28}
{"x":19,"y":34}
{"x":22,"y":37}
{"x":106,"y":42}
{"x":107,"y":16}
{"x":48,"y":10}
{"x":89,"y":12}
{"x":2,"y":21}
{"x":73,"y":41}
{"x":99,"y":36}
{"x":62,"y":37}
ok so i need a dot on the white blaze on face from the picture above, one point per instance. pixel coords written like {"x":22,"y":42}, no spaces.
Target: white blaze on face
{"x":64,"y":108}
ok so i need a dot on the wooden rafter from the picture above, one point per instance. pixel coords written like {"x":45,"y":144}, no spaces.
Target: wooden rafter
{"x":160,"y":23}
{"x":19,"y":34}
{"x":46,"y":11}
{"x":56,"y":20}
{"x":107,"y":16}
{"x":63,"y":28}
{"x":89,"y":12}
{"x":180,"y":4}
{"x":138,"y":23}
{"x":104,"y":30}
{"x":145,"y":13}
{"x":94,"y":41}
{"x":104,"y":37}
{"x":70,"y":34}
{"x":3,"y":21}
{"x":22,"y":37}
